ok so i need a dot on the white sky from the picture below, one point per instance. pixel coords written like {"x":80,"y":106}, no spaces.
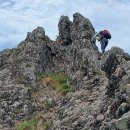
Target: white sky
{"x":17,"y":17}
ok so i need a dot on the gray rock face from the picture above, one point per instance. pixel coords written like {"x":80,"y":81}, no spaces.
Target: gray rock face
{"x":83,"y":31}
{"x":65,"y":30}
{"x":101,"y":100}
{"x":19,"y":69}
{"x":82,"y":56}
{"x":37,"y":35}
{"x":15,"y":103}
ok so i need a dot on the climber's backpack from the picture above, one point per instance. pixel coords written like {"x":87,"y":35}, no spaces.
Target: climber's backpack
{"x":106,"y":34}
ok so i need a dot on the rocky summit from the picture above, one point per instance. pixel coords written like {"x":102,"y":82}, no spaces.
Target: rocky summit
{"x":63,"y":84}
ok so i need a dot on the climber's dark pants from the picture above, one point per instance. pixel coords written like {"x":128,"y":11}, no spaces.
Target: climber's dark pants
{"x":104,"y":43}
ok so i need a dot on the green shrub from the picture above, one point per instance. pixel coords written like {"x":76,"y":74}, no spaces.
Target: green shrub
{"x":65,"y":83}
{"x":27,"y":125}
{"x":32,"y":124}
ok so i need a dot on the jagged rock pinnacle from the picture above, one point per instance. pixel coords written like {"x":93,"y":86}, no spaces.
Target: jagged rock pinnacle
{"x":37,"y":35}
{"x":65,"y":30}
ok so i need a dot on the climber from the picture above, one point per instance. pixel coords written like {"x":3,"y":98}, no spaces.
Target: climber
{"x":103,"y":37}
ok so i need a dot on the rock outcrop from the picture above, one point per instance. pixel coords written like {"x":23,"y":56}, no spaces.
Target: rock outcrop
{"x":101,"y":96}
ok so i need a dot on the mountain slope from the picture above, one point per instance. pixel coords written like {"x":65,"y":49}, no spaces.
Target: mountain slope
{"x":28,"y":81}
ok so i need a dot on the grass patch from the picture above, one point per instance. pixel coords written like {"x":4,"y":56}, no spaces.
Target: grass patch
{"x":27,"y":125}
{"x":33,"y":124}
{"x":62,"y":83}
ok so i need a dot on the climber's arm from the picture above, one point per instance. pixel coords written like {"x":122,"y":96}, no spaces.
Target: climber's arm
{"x":95,"y":36}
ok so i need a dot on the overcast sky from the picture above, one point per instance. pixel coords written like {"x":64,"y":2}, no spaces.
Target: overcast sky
{"x":17,"y":17}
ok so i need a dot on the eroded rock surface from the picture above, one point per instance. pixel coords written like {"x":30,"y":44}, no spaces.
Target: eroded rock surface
{"x":101,"y":100}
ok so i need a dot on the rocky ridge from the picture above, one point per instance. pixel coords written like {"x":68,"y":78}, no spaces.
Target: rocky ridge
{"x":101,"y":100}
